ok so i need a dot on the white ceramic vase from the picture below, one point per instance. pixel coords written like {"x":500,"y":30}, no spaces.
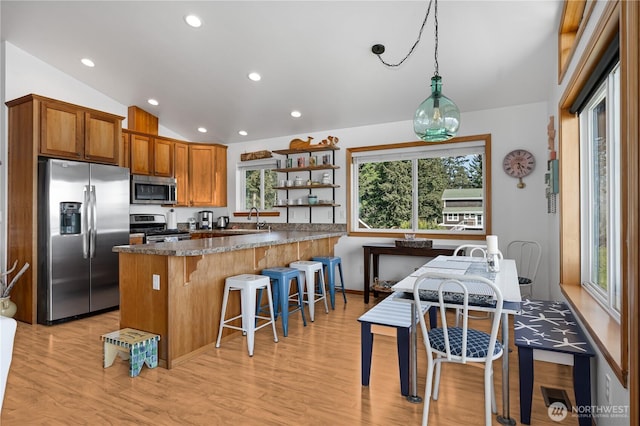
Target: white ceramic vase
{"x":7,"y":307}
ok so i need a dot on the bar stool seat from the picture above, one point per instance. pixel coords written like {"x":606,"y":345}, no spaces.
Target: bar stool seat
{"x":247,"y":284}
{"x":282,"y":300}
{"x":330,"y":264}
{"x":309,"y":269}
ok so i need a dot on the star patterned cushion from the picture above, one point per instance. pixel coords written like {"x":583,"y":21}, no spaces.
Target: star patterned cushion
{"x":477,"y":342}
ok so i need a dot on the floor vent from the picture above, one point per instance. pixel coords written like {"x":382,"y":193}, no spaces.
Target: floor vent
{"x":552,"y":395}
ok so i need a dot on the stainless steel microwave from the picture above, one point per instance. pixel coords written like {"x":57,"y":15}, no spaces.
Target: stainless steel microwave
{"x":152,"y":190}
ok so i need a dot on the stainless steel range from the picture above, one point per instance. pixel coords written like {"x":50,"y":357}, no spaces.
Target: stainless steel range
{"x":154,"y":227}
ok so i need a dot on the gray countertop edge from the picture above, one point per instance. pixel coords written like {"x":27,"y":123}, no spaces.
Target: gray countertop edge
{"x":199,"y":247}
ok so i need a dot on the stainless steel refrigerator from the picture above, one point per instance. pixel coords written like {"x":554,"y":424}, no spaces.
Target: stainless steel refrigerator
{"x":83,"y":213}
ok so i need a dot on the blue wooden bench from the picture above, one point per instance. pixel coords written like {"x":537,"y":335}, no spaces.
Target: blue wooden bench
{"x":388,"y":313}
{"x":548,"y":331}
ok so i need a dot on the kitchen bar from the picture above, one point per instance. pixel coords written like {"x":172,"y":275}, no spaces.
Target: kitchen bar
{"x":175,"y":289}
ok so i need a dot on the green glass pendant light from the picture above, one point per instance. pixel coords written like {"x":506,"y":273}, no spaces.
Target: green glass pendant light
{"x":437,"y":119}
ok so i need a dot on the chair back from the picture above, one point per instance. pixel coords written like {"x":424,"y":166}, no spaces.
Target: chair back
{"x":527,"y":256}
{"x":479,"y":250}
{"x":453,"y":291}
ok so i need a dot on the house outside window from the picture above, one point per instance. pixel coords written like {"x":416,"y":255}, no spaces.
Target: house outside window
{"x":420,"y":188}
{"x":256,"y":181}
{"x":600,"y":194}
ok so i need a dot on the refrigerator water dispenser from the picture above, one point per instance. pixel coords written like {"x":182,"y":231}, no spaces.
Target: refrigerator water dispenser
{"x":70,"y":219}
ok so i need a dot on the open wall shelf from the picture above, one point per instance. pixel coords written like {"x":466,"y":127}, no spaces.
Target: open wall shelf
{"x":308,"y":165}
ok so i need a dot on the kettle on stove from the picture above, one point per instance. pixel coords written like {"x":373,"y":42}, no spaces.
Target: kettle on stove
{"x":223,"y":222}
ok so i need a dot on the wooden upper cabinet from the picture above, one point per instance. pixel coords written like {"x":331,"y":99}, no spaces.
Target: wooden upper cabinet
{"x":61,"y":130}
{"x":101,"y":138}
{"x":181,"y":172}
{"x":207,"y":175}
{"x":150,"y":155}
{"x":73,"y":132}
{"x":141,"y":151}
{"x":163,"y":157}
{"x":124,"y":150}
{"x":220,"y":178}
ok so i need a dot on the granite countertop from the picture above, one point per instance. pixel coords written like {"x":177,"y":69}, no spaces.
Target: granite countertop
{"x":198,"y":247}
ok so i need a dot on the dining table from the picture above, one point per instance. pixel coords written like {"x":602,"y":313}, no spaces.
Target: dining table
{"x":505,"y":278}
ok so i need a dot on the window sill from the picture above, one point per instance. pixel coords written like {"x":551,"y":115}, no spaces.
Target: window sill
{"x":602,"y":328}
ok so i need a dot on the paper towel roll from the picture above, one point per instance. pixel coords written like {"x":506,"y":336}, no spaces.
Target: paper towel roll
{"x":172,"y":221}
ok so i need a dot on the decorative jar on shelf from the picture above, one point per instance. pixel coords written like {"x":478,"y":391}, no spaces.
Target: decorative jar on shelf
{"x":313,"y":199}
{"x":326,"y":179}
{"x":7,"y":307}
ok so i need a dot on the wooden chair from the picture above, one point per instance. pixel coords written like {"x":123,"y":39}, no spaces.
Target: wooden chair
{"x":459,"y":345}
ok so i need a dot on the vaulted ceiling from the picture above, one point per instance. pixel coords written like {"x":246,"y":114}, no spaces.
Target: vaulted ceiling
{"x":314,"y":56}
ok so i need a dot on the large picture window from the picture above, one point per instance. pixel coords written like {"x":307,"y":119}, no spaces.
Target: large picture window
{"x":434,"y":189}
{"x":600,"y":193}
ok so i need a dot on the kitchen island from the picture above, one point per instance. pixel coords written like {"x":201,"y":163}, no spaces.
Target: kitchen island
{"x":175,"y":289}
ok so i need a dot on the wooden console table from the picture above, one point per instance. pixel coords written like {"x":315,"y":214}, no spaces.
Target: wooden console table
{"x":375,"y":250}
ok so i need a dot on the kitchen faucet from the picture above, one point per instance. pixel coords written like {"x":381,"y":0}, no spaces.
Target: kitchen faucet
{"x":259,"y":225}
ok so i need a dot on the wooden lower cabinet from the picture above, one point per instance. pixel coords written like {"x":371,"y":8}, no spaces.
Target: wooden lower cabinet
{"x":185,"y":312}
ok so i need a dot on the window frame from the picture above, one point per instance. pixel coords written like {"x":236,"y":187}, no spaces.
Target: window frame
{"x":609,"y":92}
{"x":618,"y":343}
{"x":483,"y":140}
{"x":252,"y":165}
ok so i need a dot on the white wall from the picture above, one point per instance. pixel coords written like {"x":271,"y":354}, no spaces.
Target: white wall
{"x":516,"y":213}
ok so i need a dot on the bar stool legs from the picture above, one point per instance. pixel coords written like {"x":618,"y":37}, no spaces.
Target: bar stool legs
{"x":330,"y":263}
{"x":309,"y":269}
{"x":283,"y":278}
{"x":247,"y":284}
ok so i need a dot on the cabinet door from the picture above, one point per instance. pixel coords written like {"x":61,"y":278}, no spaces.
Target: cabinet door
{"x":201,"y":175}
{"x":61,"y":130}
{"x":101,"y":138}
{"x":124,"y":150}
{"x":141,"y":154}
{"x":181,"y":171}
{"x":220,"y":176}
{"x":162,"y":157}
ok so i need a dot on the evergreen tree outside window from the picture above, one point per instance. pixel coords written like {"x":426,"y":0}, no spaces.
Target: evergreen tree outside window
{"x":257,"y":181}
{"x":418,"y":188}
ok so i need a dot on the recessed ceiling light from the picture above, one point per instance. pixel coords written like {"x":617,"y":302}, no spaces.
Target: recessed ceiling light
{"x":254,"y":76}
{"x":202,"y":129}
{"x":88,"y":62}
{"x":193,"y":21}
{"x":296,"y":114}
{"x":153,"y":102}
{"x":243,"y":133}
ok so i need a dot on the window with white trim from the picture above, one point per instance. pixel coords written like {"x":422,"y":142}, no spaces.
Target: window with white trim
{"x":420,"y":188}
{"x":256,"y":182}
{"x":600,"y":256}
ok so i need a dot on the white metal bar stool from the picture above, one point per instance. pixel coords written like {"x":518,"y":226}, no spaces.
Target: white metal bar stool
{"x":247,"y":284}
{"x":309,"y":269}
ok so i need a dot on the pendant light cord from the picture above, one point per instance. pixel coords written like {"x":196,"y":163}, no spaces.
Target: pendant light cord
{"x":424,"y":22}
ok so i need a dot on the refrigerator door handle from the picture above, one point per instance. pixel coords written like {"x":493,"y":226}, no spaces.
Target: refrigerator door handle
{"x":94,"y":230}
{"x":85,"y":222}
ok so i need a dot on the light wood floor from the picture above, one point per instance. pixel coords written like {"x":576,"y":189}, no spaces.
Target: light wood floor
{"x":311,"y":377}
